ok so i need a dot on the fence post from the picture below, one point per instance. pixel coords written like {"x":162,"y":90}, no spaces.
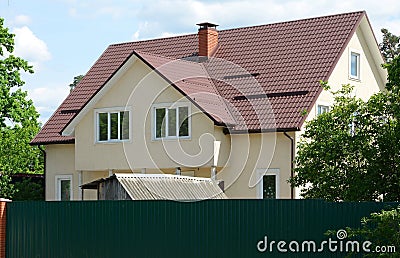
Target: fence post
{"x":3,"y":222}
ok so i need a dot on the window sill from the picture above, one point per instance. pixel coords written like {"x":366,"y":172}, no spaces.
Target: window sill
{"x":354,"y":79}
{"x":186,"y":138}
{"x":112,"y":142}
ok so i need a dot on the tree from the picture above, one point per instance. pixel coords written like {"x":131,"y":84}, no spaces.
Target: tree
{"x":77,"y":79}
{"x":18,"y":117}
{"x":390,"y":47}
{"x":334,"y":155}
{"x":352,"y":153}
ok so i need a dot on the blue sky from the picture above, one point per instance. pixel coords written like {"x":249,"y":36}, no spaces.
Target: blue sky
{"x":63,"y":38}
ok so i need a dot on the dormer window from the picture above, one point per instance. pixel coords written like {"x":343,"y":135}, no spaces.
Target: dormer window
{"x":354,"y":65}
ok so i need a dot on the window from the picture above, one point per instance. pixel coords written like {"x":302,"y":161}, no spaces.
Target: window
{"x":322,"y":109}
{"x":354,"y":65}
{"x":113,"y":125}
{"x":268,"y":185}
{"x":64,"y":188}
{"x":171,"y":121}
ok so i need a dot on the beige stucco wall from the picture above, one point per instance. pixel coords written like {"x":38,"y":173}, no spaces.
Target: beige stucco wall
{"x":60,"y":160}
{"x":252,"y":152}
{"x":143,"y":151}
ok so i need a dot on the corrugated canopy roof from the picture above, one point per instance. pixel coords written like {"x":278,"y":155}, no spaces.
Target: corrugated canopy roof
{"x":283,"y":58}
{"x":165,"y":187}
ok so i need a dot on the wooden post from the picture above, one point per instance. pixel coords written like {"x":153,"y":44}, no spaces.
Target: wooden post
{"x":3,"y":221}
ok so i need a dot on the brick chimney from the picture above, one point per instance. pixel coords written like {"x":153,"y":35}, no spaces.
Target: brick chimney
{"x":208,"y":38}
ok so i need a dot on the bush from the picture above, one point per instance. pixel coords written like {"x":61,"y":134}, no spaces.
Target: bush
{"x":27,"y":190}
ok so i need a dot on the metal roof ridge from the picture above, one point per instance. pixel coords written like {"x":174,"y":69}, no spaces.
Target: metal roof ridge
{"x":238,"y":28}
{"x":137,"y":175}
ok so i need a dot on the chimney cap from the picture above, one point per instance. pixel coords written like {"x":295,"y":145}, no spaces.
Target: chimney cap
{"x":207,"y":25}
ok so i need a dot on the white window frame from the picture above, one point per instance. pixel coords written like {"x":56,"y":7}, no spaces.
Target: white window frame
{"x":358,"y":54}
{"x":167,"y":106}
{"x":267,"y":172}
{"x":109,"y":111}
{"x":322,"y":105}
{"x":58,"y":180}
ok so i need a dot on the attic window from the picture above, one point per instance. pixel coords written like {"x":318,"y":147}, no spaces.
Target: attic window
{"x":272,"y":95}
{"x":354,"y":66}
{"x":241,"y":75}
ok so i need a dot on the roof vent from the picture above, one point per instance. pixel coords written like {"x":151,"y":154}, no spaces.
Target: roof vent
{"x":208,"y":38}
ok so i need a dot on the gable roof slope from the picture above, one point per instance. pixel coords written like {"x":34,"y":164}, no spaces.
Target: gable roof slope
{"x":287,"y":60}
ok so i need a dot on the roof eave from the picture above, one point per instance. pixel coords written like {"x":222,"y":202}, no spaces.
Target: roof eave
{"x":271,"y":130}
{"x":36,"y":143}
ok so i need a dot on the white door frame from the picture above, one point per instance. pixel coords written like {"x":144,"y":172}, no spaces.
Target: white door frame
{"x":267,"y":171}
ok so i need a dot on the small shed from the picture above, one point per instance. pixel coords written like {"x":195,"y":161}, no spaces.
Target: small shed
{"x":155,"y":187}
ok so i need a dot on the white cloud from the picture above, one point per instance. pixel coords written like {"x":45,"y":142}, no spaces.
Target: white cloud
{"x":94,"y":9}
{"x":72,"y":12}
{"x":143,"y":29}
{"x":136,"y":35}
{"x":230,"y":14}
{"x":47,"y":99}
{"x":114,"y":12}
{"x":169,"y":34}
{"x":22,"y":20}
{"x":30,"y":47}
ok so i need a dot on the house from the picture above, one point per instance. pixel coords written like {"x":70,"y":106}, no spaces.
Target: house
{"x":155,"y":187}
{"x":221,"y":104}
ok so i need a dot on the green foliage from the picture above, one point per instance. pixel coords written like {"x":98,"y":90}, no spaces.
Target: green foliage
{"x":6,"y":188}
{"x":381,"y":229}
{"x":304,"y":112}
{"x":351,"y":153}
{"x":18,"y":117}
{"x":393,"y":69}
{"x":390,"y":47}
{"x":27,"y":190}
{"x":77,"y":79}
{"x":324,"y":85}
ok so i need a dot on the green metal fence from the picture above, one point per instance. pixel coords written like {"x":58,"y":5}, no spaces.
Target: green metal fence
{"x":213,"y":228}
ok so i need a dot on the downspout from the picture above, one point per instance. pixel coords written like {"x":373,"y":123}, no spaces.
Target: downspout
{"x":291,"y":162}
{"x":44,"y":168}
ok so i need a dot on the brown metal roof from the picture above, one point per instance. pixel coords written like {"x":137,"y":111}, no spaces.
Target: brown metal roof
{"x":283,"y":58}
